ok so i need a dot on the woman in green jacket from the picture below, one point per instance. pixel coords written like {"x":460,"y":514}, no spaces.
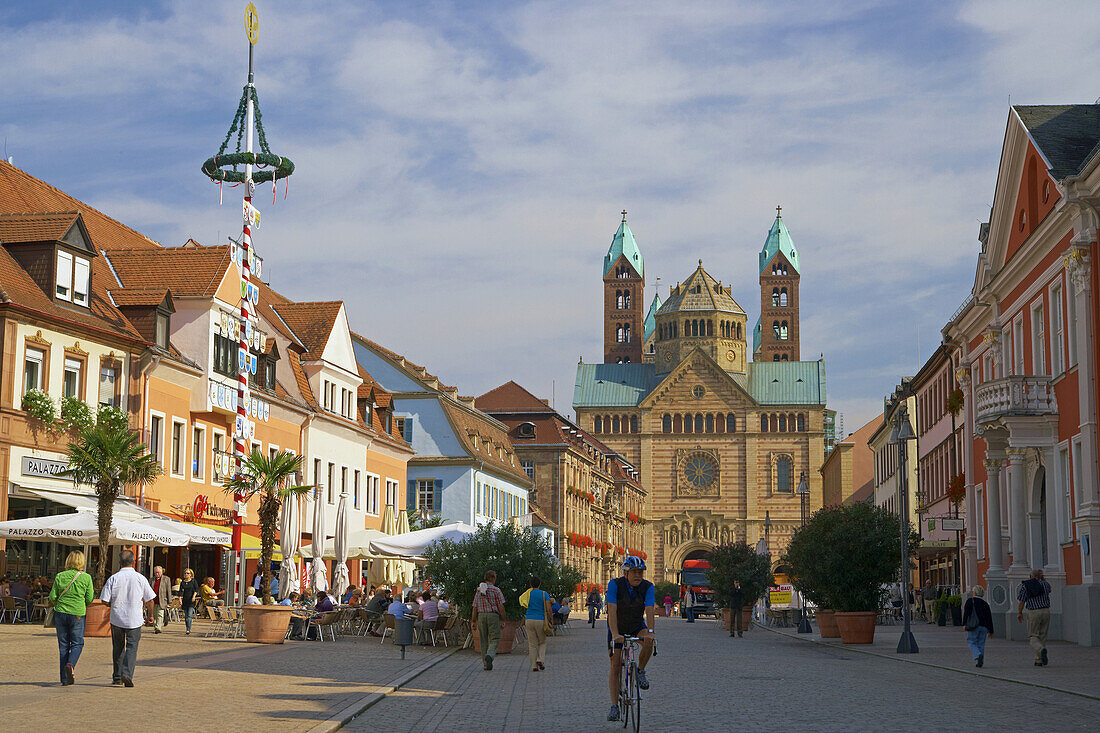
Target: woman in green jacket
{"x":70,"y":596}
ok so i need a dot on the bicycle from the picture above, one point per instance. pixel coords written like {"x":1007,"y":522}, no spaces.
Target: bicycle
{"x":592,"y":615}
{"x":630,"y":695}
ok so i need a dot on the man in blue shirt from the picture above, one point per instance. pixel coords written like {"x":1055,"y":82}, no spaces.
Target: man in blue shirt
{"x":630,"y":612}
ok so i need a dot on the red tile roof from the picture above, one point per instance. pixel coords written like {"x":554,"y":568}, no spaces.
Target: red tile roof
{"x":186,"y":271}
{"x":36,"y":226}
{"x":510,"y":397}
{"x":137,"y":297}
{"x":312,"y":323}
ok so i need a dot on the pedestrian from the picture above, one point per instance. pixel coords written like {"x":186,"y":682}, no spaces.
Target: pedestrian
{"x":70,"y":596}
{"x":737,"y":601}
{"x":257,"y":580}
{"x":488,"y":612}
{"x":928,"y":598}
{"x":1034,"y":594}
{"x":162,"y":586}
{"x":668,"y":606}
{"x":535,"y":622}
{"x":978,"y":621}
{"x":689,"y":605}
{"x":127,"y":593}
{"x":189,"y":597}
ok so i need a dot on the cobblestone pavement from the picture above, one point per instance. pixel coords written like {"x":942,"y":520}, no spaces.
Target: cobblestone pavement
{"x":704,"y":680}
{"x":191,"y":683}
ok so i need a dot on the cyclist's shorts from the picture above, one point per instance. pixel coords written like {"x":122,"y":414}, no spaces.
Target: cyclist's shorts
{"x":633,"y":632}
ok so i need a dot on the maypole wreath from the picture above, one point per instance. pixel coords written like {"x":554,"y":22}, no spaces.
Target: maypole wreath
{"x":224,"y":166}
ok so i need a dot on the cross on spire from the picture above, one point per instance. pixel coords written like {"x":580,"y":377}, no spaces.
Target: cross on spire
{"x":778,"y":212}
{"x":624,"y":214}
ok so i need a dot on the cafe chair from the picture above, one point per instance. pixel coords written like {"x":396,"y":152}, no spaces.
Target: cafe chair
{"x":390,"y":625}
{"x":13,"y":609}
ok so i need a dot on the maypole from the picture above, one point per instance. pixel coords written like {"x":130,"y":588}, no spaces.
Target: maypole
{"x":247,"y":118}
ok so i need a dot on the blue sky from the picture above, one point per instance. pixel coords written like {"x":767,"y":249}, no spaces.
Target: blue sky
{"x":461,"y":166}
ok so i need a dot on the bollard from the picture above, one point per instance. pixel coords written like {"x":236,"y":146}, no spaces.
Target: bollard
{"x":404,"y":633}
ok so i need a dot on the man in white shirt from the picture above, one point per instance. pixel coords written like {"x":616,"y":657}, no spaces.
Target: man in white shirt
{"x":128,"y":594}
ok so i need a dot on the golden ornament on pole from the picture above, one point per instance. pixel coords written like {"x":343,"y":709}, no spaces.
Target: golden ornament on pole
{"x":252,"y":23}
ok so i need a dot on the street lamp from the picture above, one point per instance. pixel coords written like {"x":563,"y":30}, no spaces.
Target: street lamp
{"x":900,"y":436}
{"x":804,"y":495}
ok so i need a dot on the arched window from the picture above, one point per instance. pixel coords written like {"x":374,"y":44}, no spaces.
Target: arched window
{"x":731,"y":423}
{"x":694,"y":327}
{"x":801,"y":423}
{"x":763,"y":423}
{"x":782,"y":423}
{"x":687,"y":328}
{"x":775,"y":357}
{"x":666,"y":423}
{"x":782,"y":297}
{"x":687,"y":424}
{"x":678,"y":424}
{"x":782,"y":331}
{"x":784,"y":357}
{"x":633,"y":424}
{"x":738,"y":330}
{"x":710,"y":328}
{"x":710,"y":423}
{"x":598,"y":425}
{"x":698,"y":422}
{"x":783,"y":475}
{"x":775,"y":328}
{"x":626,"y":359}
{"x":615,"y":424}
{"x":719,"y":424}
{"x":675,"y":329}
{"x":626,"y":299}
{"x":619,"y":333}
{"x":626,"y":332}
{"x":775,"y":296}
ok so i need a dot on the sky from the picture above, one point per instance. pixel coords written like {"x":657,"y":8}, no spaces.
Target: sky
{"x":461,"y":166}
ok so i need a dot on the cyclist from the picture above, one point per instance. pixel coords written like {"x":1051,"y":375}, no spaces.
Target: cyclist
{"x":593,"y":603}
{"x":629,"y":605}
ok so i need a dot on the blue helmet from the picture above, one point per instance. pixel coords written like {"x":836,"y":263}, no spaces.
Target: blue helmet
{"x":633,"y":562}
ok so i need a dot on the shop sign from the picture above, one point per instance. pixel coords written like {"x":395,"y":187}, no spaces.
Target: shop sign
{"x":780,"y":595}
{"x":952,"y":524}
{"x":201,"y":508}
{"x":43,"y":467}
{"x":937,"y":544}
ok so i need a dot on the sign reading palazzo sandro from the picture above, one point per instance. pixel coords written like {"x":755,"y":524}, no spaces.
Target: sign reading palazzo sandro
{"x":43,"y":467}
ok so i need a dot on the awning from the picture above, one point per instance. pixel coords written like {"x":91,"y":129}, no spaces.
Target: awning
{"x":82,"y":502}
{"x":249,"y":543}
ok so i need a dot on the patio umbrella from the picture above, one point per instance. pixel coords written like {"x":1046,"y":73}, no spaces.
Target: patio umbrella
{"x":340,"y":580}
{"x":412,"y":544}
{"x":404,"y":569}
{"x":290,"y":536}
{"x":358,"y":545}
{"x":318,"y":579}
{"x":82,"y":528}
{"x":386,"y":570}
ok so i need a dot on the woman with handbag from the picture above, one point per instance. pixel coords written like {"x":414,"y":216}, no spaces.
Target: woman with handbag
{"x":978,"y":622}
{"x":69,"y":599}
{"x":537,"y":623}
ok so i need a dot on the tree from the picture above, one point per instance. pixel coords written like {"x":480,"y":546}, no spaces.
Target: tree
{"x":267,"y":477}
{"x":738,"y":561}
{"x":108,"y":456}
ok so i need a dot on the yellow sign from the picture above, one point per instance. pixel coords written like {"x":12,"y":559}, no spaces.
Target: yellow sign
{"x":780,"y":596}
{"x":252,"y":23}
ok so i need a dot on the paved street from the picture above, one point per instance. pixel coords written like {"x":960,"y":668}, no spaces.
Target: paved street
{"x":703,"y":680}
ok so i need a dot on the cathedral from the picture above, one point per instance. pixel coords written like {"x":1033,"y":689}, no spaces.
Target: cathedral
{"x":722,"y":442}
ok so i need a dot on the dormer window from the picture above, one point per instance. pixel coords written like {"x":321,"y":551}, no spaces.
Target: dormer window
{"x":160,"y":334}
{"x":73,"y":278}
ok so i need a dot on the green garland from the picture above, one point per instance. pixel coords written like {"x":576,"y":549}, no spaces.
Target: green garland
{"x":213,"y":167}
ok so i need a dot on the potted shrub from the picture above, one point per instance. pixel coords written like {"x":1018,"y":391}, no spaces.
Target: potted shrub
{"x":860,"y":550}
{"x":108,"y":457}
{"x":954,"y":604}
{"x":808,"y":571}
{"x":266,"y":477}
{"x":515,"y":554}
{"x":738,"y":561}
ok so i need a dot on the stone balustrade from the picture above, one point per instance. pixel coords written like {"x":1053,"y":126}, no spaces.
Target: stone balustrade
{"x":1014,"y":395}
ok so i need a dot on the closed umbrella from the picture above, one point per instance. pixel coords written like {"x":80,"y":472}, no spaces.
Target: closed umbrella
{"x":386,"y":570}
{"x":340,"y":580}
{"x":404,"y":569}
{"x":318,"y":579}
{"x":290,"y":536}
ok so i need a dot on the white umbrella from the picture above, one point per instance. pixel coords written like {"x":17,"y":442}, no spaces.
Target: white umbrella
{"x":318,"y":579}
{"x":386,"y":569}
{"x":358,"y":545}
{"x":82,"y":528}
{"x":411,"y":545}
{"x":404,"y":569}
{"x":290,"y":536}
{"x":340,"y":580}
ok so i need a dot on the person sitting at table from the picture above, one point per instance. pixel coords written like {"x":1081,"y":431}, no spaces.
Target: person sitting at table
{"x":209,"y":595}
{"x":356,"y":599}
{"x":376,"y":606}
{"x":398,"y":609}
{"x":251,"y":599}
{"x":274,"y":585}
{"x":411,"y":602}
{"x":347,"y":595}
{"x":19,"y":589}
{"x":429,"y":613}
{"x":322,"y":606}
{"x":291,"y":600}
{"x":443,"y":604}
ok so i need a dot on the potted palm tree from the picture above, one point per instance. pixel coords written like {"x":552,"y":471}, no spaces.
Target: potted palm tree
{"x":108,"y":456}
{"x":268,"y":478}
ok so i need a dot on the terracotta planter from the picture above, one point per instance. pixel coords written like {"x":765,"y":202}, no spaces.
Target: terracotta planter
{"x":826,"y":623}
{"x":98,"y":620}
{"x":507,"y":636}
{"x":746,"y":618}
{"x":266,"y":624}
{"x":856,"y":627}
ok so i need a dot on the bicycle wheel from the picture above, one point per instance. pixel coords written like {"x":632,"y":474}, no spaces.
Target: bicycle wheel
{"x":624,"y":698}
{"x":636,"y":700}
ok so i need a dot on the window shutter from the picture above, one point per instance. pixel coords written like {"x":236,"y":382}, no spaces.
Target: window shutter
{"x":408,"y":430}
{"x":410,"y":497}
{"x":437,"y":500}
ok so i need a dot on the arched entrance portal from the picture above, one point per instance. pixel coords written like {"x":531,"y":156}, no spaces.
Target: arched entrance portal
{"x":697,"y":555}
{"x":1037,"y":519}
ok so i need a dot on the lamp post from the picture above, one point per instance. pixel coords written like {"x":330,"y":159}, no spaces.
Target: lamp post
{"x":900,"y":436}
{"x":804,"y":495}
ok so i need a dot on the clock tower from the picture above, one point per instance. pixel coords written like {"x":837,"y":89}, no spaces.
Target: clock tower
{"x":623,"y":289}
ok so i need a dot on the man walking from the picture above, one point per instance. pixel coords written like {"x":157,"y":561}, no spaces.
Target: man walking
{"x":1034,"y":594}
{"x":737,"y":600}
{"x":128,"y":593}
{"x":163,"y":588}
{"x":689,"y":605}
{"x":488,"y":613}
{"x":928,"y":599}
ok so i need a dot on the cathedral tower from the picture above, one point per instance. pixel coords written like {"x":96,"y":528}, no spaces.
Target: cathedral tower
{"x":623,"y":290}
{"x":700,"y":313}
{"x":776,"y":335}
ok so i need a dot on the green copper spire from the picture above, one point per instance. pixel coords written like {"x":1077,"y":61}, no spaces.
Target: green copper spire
{"x":779,"y":240}
{"x":623,"y":244}
{"x":651,"y":318}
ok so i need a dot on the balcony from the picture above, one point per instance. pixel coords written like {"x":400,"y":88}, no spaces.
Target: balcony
{"x":1016,"y":396}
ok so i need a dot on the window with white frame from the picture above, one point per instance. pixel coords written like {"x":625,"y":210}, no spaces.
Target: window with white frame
{"x":109,"y":384}
{"x":979,"y":520}
{"x":1057,"y":353}
{"x":1038,"y":340}
{"x":391,"y":492}
{"x":529,"y":469}
{"x":73,"y":377}
{"x":324,"y":394}
{"x":81,"y":280}
{"x":355,"y":488}
{"x":33,"y":368}
{"x":1078,"y":472}
{"x":1071,"y":322}
{"x":156,"y":438}
{"x":179,"y":448}
{"x":317,"y":472}
{"x":1066,"y":493}
{"x":477,"y":499}
{"x":1018,"y":345}
{"x":64,"y":275}
{"x":198,"y":453}
{"x":217,"y":459}
{"x":344,"y":481}
{"x":331,"y":496}
{"x":425,"y":493}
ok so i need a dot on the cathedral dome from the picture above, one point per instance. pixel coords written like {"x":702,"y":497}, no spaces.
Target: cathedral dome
{"x":700,"y":313}
{"x":700,"y":292}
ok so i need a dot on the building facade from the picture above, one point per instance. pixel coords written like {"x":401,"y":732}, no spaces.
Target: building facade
{"x":849,"y":469}
{"x":719,"y":442}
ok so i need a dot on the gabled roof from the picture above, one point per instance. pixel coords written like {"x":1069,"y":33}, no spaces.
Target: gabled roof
{"x":613,"y":385}
{"x":700,"y":292}
{"x":778,"y":240}
{"x":47,"y":226}
{"x":1066,"y":134}
{"x":312,"y":323}
{"x":510,"y":397}
{"x":141,"y":297}
{"x":492,"y":437}
{"x":414,"y":371}
{"x":186,"y":271}
{"x":623,"y":245}
{"x":651,"y":317}
{"x":302,"y":381}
